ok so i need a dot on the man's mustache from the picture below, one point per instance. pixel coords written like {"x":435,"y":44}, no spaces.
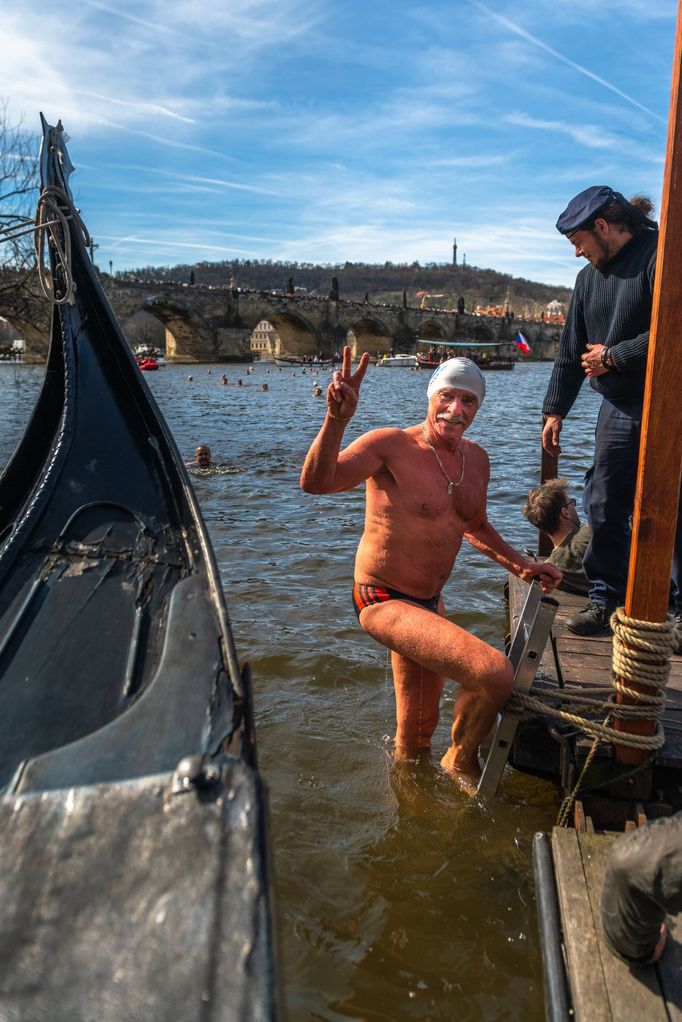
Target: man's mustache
{"x":456,"y":419}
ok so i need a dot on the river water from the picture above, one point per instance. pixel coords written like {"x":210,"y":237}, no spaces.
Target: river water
{"x":398,"y":898}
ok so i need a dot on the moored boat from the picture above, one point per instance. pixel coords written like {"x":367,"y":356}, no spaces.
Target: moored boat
{"x":132,"y":815}
{"x":480,"y":352}
{"x":398,"y":361}
{"x":147,"y":365}
{"x":144,"y":352}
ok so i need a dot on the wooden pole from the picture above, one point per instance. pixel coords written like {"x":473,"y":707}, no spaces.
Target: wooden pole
{"x":660,"y":455}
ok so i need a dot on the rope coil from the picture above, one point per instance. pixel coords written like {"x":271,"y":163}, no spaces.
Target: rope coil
{"x":52,"y":222}
{"x":641,"y":652}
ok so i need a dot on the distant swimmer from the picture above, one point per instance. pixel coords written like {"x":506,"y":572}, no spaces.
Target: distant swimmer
{"x":426,"y":490}
{"x":265,"y":386}
{"x":189,"y":379}
{"x":202,"y":457}
{"x":317,"y":390}
{"x":204,"y":465}
{"x":223,"y":379}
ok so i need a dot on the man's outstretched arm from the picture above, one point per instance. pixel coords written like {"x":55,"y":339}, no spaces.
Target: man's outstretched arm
{"x":488,"y":540}
{"x":321,"y":471}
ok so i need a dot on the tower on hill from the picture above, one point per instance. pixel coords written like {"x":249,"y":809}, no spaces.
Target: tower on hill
{"x":454,"y":252}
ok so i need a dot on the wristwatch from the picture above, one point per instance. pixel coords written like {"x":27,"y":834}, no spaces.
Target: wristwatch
{"x":606,"y":358}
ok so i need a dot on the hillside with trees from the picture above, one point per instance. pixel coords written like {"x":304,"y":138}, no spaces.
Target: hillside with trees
{"x":383,"y":283}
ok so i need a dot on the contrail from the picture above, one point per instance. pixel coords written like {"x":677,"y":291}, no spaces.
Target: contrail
{"x":565,"y":60}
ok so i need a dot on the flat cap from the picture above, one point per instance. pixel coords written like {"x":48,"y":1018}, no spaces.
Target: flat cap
{"x":584,"y":208}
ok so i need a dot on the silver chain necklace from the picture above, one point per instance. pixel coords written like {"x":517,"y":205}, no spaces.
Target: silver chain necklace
{"x":451,"y":484}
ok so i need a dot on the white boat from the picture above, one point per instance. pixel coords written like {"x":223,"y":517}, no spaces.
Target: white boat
{"x":393,"y":361}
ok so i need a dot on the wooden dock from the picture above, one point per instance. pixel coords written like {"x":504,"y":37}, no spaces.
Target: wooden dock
{"x":600,"y":988}
{"x":578,"y":661}
{"x":583,"y":979}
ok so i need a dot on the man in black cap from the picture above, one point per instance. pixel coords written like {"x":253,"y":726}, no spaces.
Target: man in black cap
{"x":606,"y":338}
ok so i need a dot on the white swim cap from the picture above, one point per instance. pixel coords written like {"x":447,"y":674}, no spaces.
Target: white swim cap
{"x":458,"y":372}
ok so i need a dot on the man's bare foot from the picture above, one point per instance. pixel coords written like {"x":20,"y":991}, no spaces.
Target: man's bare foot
{"x":406,"y":754}
{"x":466,"y":773}
{"x":411,"y":780}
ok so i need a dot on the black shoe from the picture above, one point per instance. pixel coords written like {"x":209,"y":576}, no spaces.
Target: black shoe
{"x":677,"y":633}
{"x":591,"y":620}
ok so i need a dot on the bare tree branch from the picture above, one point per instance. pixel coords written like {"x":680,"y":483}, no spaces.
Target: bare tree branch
{"x":19,"y":190}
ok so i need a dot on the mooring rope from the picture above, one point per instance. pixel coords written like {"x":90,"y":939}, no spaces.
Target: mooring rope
{"x":641,"y":651}
{"x":641,"y":656}
{"x":51,"y":222}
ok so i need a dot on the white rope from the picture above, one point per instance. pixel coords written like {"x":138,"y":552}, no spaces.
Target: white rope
{"x":52,"y":223}
{"x":641,"y":652}
{"x":535,"y":703}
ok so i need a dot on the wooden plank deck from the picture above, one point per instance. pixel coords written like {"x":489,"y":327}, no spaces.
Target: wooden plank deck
{"x":604,"y":989}
{"x":587,"y":661}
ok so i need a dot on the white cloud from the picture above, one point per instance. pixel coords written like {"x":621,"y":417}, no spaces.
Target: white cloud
{"x":535,"y":41}
{"x":310,"y":130}
{"x":591,"y":136}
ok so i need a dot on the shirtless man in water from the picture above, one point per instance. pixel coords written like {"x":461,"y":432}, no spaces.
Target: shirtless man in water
{"x":202,"y":457}
{"x":426,"y":488}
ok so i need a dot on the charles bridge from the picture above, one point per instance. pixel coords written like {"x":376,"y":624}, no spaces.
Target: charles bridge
{"x":214,"y":324}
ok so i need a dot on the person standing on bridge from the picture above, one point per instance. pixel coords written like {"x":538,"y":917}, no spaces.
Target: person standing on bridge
{"x":426,"y":489}
{"x":606,"y":338}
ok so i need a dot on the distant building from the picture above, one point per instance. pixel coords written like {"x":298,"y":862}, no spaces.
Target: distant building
{"x":555,"y":312}
{"x":9,"y":335}
{"x":263,"y":340}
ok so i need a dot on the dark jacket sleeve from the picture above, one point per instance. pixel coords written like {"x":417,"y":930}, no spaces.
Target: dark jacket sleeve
{"x":568,"y":374}
{"x":642,"y":883}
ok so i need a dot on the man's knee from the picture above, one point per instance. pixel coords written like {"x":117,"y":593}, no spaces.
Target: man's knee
{"x":500,"y":679}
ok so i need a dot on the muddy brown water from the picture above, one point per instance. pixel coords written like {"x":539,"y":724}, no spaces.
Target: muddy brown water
{"x":397,"y":897}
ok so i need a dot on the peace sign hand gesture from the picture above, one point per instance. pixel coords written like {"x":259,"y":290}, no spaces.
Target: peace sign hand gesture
{"x":344,"y":390}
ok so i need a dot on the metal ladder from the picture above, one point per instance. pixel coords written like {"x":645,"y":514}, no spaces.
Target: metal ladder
{"x":528,"y":645}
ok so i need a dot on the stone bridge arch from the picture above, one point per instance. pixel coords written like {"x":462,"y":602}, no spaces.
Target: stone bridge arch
{"x":189,"y":338}
{"x":294,"y":335}
{"x":143,"y":327}
{"x":484,"y":332}
{"x":433,"y":330}
{"x":368,"y":333}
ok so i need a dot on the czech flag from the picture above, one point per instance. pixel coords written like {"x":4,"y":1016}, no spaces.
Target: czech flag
{"x":522,"y":344}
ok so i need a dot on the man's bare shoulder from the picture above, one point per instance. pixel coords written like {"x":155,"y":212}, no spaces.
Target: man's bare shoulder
{"x":475,"y":450}
{"x":477,"y":459}
{"x":385,"y":437}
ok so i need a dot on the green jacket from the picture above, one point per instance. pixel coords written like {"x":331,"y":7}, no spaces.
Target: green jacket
{"x":569,"y":557}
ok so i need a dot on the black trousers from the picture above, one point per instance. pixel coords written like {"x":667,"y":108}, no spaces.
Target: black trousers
{"x":608,"y":501}
{"x":642,"y":884}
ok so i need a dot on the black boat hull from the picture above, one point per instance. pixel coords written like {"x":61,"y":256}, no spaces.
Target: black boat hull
{"x":131,"y":887}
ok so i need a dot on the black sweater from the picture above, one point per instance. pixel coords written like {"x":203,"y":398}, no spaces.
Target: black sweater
{"x":610,"y":306}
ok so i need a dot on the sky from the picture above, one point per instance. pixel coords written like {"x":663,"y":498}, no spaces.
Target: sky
{"x":369,"y":131}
